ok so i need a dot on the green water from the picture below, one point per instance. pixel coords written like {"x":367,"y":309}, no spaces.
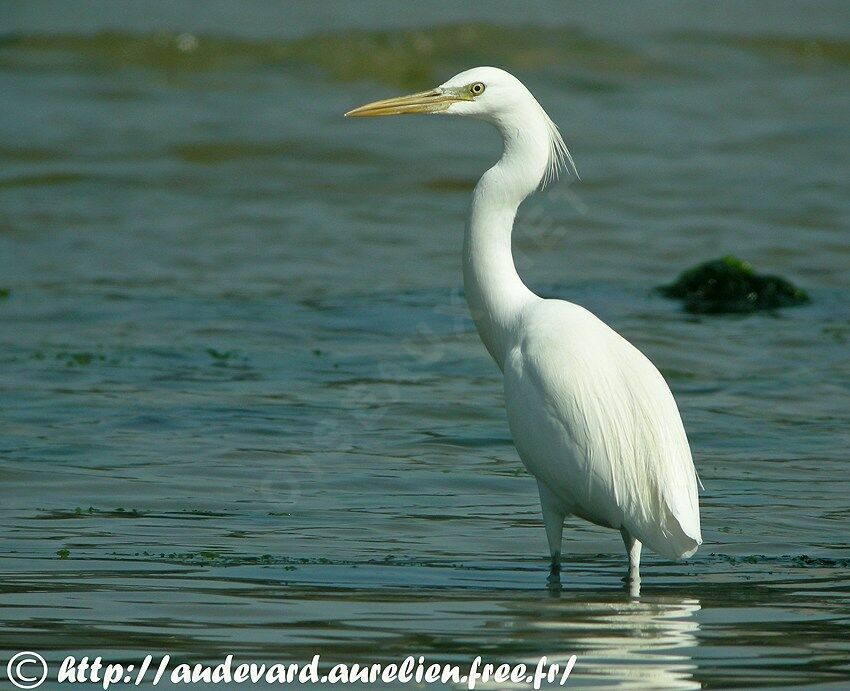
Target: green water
{"x":244,"y":409}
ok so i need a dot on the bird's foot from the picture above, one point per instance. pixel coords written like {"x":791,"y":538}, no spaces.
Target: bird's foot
{"x":553,"y":581}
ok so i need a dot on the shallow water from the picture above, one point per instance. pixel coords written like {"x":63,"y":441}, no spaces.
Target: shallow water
{"x":244,"y":409}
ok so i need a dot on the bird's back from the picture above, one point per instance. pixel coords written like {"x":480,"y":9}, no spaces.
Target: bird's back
{"x":595,"y":421}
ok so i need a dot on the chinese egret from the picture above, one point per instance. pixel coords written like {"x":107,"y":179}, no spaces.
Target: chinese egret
{"x":592,"y":418}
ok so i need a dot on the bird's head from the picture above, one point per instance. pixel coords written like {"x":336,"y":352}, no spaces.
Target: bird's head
{"x":480,"y":92}
{"x":490,"y":94}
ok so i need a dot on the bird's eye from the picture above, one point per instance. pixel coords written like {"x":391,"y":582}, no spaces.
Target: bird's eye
{"x":477,"y":89}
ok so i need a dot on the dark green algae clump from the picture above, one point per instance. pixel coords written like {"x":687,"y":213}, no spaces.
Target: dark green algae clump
{"x":729,"y":285}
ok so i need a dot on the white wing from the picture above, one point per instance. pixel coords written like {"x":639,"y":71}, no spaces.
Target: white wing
{"x":594,"y":419}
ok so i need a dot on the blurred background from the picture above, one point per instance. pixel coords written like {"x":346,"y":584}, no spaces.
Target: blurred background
{"x":244,"y":410}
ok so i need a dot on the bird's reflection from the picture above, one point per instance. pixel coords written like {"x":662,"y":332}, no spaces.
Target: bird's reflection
{"x":620,"y":639}
{"x":553,"y":584}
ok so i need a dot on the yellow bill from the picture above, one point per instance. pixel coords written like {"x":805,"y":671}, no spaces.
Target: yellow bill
{"x":434,"y":101}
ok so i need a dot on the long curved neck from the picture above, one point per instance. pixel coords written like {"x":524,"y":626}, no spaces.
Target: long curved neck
{"x":494,"y":290}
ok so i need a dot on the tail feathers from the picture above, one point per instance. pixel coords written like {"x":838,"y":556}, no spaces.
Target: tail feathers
{"x":671,"y":539}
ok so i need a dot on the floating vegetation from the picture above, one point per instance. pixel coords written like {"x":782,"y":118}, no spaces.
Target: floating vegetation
{"x":798,"y":560}
{"x":5,"y":293}
{"x":205,"y":513}
{"x":729,"y":285}
{"x":220,"y":355}
{"x":801,"y":48}
{"x":401,"y":58}
{"x":63,"y":553}
{"x":805,"y":560}
{"x":225,"y":358}
{"x":77,"y":359}
{"x":209,"y":557}
{"x":81,"y":359}
{"x":79,"y":512}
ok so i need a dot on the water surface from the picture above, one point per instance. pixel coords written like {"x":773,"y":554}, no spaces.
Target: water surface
{"x":244,"y":410}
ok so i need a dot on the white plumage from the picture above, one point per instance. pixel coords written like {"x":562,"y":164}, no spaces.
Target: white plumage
{"x":591,"y":417}
{"x":595,"y":423}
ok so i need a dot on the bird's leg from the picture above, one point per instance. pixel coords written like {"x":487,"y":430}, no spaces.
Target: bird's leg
{"x":553,"y":519}
{"x":633,"y":550}
{"x":555,"y":564}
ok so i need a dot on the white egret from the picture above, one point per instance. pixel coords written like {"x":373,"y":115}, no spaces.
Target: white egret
{"x":592,"y":418}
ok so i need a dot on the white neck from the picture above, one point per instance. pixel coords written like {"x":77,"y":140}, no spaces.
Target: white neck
{"x":494,"y":291}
